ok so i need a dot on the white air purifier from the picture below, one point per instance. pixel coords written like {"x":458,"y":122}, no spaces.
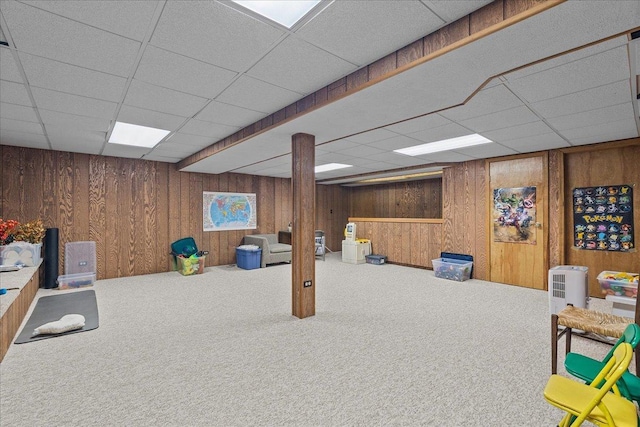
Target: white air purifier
{"x":568,"y":284}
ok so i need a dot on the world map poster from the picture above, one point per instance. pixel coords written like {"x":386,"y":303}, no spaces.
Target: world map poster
{"x":603,"y":218}
{"x":228,"y":211}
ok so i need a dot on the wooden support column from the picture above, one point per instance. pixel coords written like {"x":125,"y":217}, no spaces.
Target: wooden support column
{"x":303,"y":264}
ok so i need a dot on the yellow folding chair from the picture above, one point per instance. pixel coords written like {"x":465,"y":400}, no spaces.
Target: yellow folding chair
{"x":600,"y":402}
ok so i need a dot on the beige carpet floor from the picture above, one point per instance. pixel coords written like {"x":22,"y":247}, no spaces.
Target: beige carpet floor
{"x":388,"y":346}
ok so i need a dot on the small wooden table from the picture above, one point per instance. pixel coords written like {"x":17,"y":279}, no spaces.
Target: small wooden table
{"x":284,"y":237}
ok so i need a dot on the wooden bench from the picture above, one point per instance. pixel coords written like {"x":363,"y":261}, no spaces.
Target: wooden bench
{"x":15,"y":304}
{"x":593,"y":322}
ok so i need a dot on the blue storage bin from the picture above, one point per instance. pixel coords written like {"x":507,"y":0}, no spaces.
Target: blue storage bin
{"x":248,"y":259}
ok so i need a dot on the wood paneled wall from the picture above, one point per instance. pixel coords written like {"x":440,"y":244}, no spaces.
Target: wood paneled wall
{"x":412,"y":242}
{"x":605,"y":165}
{"x":134,"y":209}
{"x":413,"y":199}
{"x":464,"y":213}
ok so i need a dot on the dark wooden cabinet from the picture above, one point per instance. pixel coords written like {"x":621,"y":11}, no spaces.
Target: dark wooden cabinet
{"x":284,"y":237}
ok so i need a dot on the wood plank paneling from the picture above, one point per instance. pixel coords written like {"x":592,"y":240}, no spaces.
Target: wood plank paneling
{"x":10,"y":185}
{"x":134,"y":209}
{"x":481,"y":232}
{"x":406,"y":242}
{"x":12,"y":319}
{"x":556,"y":205}
{"x":64,"y":202}
{"x":414,"y":199}
{"x":80,"y":202}
{"x":486,"y":16}
{"x":464,"y":228}
{"x":519,"y":263}
{"x":149,"y":218}
{"x":303,"y":266}
{"x":620,"y":166}
{"x":112,"y":219}
{"x":212,"y":239}
{"x":97,"y":209}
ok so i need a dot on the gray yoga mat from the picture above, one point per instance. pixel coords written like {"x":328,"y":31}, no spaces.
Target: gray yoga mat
{"x":51,"y":308}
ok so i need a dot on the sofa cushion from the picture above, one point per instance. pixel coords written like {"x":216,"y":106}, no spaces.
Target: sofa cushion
{"x":279,"y":247}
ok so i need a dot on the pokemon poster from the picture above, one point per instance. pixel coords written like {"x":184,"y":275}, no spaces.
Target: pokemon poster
{"x":514,"y":215}
{"x":603,"y":218}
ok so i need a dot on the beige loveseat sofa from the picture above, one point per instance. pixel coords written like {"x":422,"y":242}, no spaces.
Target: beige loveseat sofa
{"x":272,"y":251}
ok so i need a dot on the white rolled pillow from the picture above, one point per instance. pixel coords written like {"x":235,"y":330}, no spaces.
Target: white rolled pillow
{"x":66,"y":323}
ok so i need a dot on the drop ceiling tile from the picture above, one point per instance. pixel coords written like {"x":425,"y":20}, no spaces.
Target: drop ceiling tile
{"x":230,"y":115}
{"x":491,"y":100}
{"x":73,"y":121}
{"x":64,"y":138}
{"x":208,"y":129}
{"x":73,"y":104}
{"x":299,"y":66}
{"x":452,"y":130}
{"x":12,"y":125}
{"x":374,"y":165}
{"x":602,"y":132}
{"x":420,"y":123}
{"x":156,"y":98}
{"x":362,"y":151}
{"x":397,"y":159}
{"x":170,"y":70}
{"x":567,"y":58}
{"x":400,"y":141}
{"x":276,"y":172}
{"x":69,"y":41}
{"x":372,"y":28}
{"x":127,"y":151}
{"x":593,"y":117}
{"x":590,"y":99}
{"x":372,"y":136}
{"x":18,"y":112}
{"x":126,"y":18}
{"x":486,"y":151}
{"x":166,"y":149}
{"x":154,"y":119}
{"x":8,"y":68}
{"x":194,"y":142}
{"x":370,"y":164}
{"x":444,"y":157}
{"x":339,"y":145}
{"x":500,"y":120}
{"x":54,"y":75}
{"x":14,"y":93}
{"x":451,"y":10}
{"x":165,"y":159}
{"x":546,"y":141}
{"x":256,"y":95}
{"x":213,"y":33}
{"x":520,"y":131}
{"x":597,"y":70}
{"x":332,"y":158}
{"x":22,"y":139}
{"x":278,"y":164}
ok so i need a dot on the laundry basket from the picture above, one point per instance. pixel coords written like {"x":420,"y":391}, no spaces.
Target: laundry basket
{"x":185,"y":247}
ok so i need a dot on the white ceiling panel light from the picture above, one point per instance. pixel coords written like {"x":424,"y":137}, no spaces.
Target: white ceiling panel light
{"x":285,"y":13}
{"x":135,"y":135}
{"x":331,"y":166}
{"x":445,"y":145}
